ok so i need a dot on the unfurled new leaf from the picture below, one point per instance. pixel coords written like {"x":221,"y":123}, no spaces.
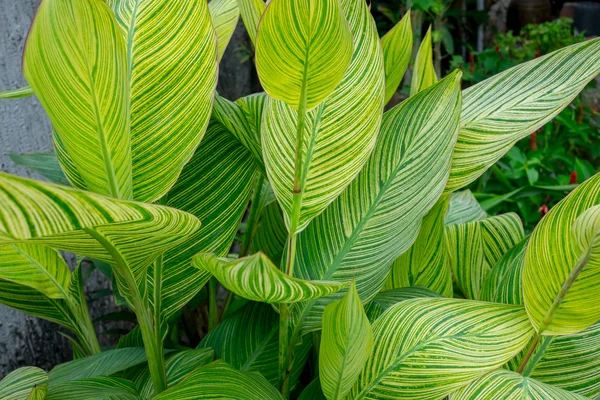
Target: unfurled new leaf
{"x":423,"y":74}
{"x":225,"y":15}
{"x":397,"y":48}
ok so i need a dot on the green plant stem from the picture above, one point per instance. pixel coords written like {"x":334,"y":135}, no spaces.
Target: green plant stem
{"x":151,"y":337}
{"x":90,"y":341}
{"x":213,"y":312}
{"x":284,"y":325}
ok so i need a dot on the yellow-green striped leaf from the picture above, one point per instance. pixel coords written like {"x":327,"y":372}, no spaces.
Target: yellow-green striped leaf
{"x":426,"y":263}
{"x":40,"y":268}
{"x":225,"y":15}
{"x":75,"y":61}
{"x":506,"y":385}
{"x":271,"y":234}
{"x":303,"y":48}
{"x":388,"y":298}
{"x":172,"y":72}
{"x":475,"y":247}
{"x":251,"y":12}
{"x":377,"y":218}
{"x":98,"y":388}
{"x":397,"y":48}
{"x":219,"y":380}
{"x":423,"y":74}
{"x":256,"y":278}
{"x":562,"y":264}
{"x":463,"y":208}
{"x":215,"y":187}
{"x":346,"y":343}
{"x":45,"y":164}
{"x":428,"y":348}
{"x":17,"y":93}
{"x":511,"y":105}
{"x":38,"y":393}
{"x":339,"y":134}
{"x":248,"y":340}
{"x":69,"y":219}
{"x":18,"y":384}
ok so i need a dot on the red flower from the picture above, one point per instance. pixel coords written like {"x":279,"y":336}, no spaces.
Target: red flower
{"x":573,"y":178}
{"x":543,"y":210}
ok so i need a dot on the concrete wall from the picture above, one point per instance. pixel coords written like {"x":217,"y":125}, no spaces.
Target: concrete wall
{"x":24,"y":128}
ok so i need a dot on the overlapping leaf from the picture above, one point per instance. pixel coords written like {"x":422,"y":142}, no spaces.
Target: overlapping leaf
{"x":378,"y":216}
{"x":562,"y":264}
{"x":463,"y":208}
{"x":397,"y":48}
{"x":426,"y":263}
{"x":346,"y":343}
{"x":219,"y":380}
{"x":172,"y":72}
{"x":45,"y":164}
{"x":388,"y":298}
{"x":502,"y":384}
{"x":339,"y":134}
{"x":75,"y":61}
{"x":511,"y":105}
{"x":428,"y":348}
{"x":256,"y":278}
{"x":475,"y":247}
{"x":225,"y":15}
{"x":98,"y":388}
{"x":251,"y":12}
{"x":18,"y":384}
{"x":423,"y":74}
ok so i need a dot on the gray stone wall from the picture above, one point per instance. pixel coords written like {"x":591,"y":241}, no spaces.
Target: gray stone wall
{"x":24,"y":128}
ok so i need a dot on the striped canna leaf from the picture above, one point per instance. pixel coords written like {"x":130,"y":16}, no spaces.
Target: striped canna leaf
{"x":18,"y":384}
{"x":219,"y":380}
{"x":339,"y":134}
{"x":225,"y":15}
{"x":17,"y":93}
{"x":428,"y":348}
{"x":251,"y":12}
{"x":426,"y":263}
{"x":302,"y":51}
{"x":214,"y":186}
{"x":78,"y":44}
{"x":256,"y":278}
{"x":463,"y":208}
{"x":562,"y":264}
{"x":397,"y":48}
{"x":346,"y":344}
{"x":513,"y":104}
{"x":45,"y":164}
{"x":475,"y":247}
{"x":423,"y":74}
{"x":388,"y":298}
{"x":377,"y":218}
{"x":38,"y":393}
{"x":172,"y":86}
{"x":98,"y":388}
{"x":89,"y":224}
{"x":502,"y":384}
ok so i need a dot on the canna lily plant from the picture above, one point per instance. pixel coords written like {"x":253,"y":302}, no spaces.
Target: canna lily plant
{"x":365,"y":270}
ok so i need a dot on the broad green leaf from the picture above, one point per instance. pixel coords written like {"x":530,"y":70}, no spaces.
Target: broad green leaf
{"x":339,"y":135}
{"x":428,"y":348}
{"x":215,"y":187}
{"x":40,"y":268}
{"x":378,"y":217}
{"x":69,"y":219}
{"x":303,"y":48}
{"x":101,"y":364}
{"x":225,"y":15}
{"x":562,"y":264}
{"x":256,"y":278}
{"x":313,"y":391}
{"x":511,"y":105}
{"x":397,"y":48}
{"x":172,"y":72}
{"x":251,"y":12}
{"x":475,"y":247}
{"x":248,"y":340}
{"x":426,"y":263}
{"x":177,"y":367}
{"x":18,"y":384}
{"x":388,"y":298}
{"x":271,"y":234}
{"x":17,"y":93}
{"x":97,"y":388}
{"x":45,"y":164}
{"x":75,"y":61}
{"x":346,"y":344}
{"x":66,"y":163}
{"x":423,"y":74}
{"x":219,"y":380}
{"x":38,"y":393}
{"x":506,"y":385}
{"x":464,"y":208}
{"x":568,"y":362}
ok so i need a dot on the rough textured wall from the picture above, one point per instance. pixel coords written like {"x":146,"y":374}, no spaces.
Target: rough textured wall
{"x":24,"y":128}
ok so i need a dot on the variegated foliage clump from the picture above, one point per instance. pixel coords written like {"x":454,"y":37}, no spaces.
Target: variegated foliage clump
{"x":363,"y":266}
